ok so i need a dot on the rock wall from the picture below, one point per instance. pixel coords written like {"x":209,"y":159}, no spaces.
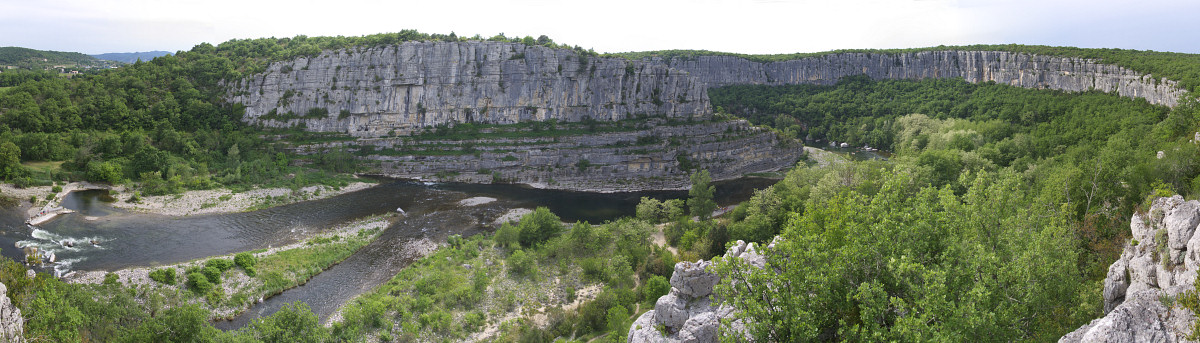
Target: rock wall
{"x":12,"y":325}
{"x":690,"y":312}
{"x":371,"y":92}
{"x":612,"y":161}
{"x":1021,"y":70}
{"x":1161,"y":264}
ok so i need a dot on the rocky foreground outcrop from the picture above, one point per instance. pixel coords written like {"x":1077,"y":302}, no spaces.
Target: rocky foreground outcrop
{"x":1159,"y":264}
{"x":690,"y":312}
{"x":12,"y":325}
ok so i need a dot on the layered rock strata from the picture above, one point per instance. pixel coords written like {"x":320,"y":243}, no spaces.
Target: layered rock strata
{"x":659,"y":156}
{"x":1015,"y":69}
{"x":371,"y":92}
{"x":1158,"y":265}
{"x":690,"y":312}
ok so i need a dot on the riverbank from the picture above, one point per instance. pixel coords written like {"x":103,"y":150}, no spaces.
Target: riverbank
{"x":46,"y":202}
{"x":226,"y":201}
{"x":278,"y":269}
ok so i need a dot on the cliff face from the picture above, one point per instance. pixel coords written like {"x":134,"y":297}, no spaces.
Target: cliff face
{"x":658,"y":156}
{"x":371,"y":92}
{"x":1022,"y":70}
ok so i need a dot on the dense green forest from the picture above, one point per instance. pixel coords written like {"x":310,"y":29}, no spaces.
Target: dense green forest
{"x":163,"y":122}
{"x":40,"y":59}
{"x":996,"y":219}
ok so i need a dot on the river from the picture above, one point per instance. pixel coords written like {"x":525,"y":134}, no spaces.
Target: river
{"x":127,"y":239}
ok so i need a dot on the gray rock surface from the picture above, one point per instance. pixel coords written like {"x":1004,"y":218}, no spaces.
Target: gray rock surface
{"x":414,"y":85}
{"x":12,"y":325}
{"x":616,"y":161}
{"x":689,"y":313}
{"x":1016,"y":69}
{"x":1161,"y":265}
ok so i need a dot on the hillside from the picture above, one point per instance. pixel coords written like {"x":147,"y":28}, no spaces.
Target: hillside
{"x":131,"y":57}
{"x":41,"y":59}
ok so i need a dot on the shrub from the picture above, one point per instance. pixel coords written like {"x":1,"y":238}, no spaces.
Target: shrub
{"x":111,"y":279}
{"x":219,"y":264}
{"x":656,"y":287}
{"x":213,"y":274}
{"x":508,"y":235}
{"x":521,"y":263}
{"x":198,"y":283}
{"x":164,"y":276}
{"x":245,"y":260}
{"x":539,"y":226}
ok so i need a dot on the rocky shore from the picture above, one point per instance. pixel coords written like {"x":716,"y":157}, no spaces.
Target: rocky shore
{"x":183,"y":204}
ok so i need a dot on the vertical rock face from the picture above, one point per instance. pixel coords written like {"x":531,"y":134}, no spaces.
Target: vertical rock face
{"x":12,"y":325}
{"x":1021,"y":70}
{"x":371,"y":92}
{"x":1161,"y":264}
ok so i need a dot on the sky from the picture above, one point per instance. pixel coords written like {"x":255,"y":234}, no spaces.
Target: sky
{"x":743,"y":26}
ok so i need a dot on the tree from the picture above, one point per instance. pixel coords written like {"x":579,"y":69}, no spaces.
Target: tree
{"x":294,"y":322}
{"x":10,"y":160}
{"x":539,"y":226}
{"x":700,"y":197}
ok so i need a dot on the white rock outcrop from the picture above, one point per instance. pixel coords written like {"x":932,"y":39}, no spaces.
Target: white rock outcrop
{"x":689,"y":313}
{"x":12,"y":325}
{"x":1160,"y":263}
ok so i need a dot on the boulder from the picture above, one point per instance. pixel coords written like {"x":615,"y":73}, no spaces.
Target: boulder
{"x":693,"y":280}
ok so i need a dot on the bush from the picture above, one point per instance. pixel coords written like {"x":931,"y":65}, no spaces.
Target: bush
{"x":164,"y":276}
{"x":219,"y":264}
{"x":656,"y":287}
{"x":508,"y":235}
{"x":198,"y":283}
{"x":521,"y":263}
{"x":539,"y":226}
{"x":111,"y":279}
{"x":245,"y":260}
{"x":213,"y":274}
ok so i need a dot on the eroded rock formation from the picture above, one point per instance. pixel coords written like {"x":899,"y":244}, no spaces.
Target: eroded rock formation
{"x":1160,"y":263}
{"x":689,"y":313}
{"x":1021,"y":70}
{"x":371,"y":92}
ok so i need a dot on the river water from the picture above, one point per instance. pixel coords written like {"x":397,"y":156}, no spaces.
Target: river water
{"x":126,"y":239}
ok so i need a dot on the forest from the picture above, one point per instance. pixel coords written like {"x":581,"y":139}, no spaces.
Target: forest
{"x":995,"y":219}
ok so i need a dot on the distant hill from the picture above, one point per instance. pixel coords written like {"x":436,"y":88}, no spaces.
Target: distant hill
{"x":42,"y":59}
{"x":130,"y":57}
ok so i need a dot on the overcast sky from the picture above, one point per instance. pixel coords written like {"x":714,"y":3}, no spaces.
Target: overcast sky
{"x":746,"y":26}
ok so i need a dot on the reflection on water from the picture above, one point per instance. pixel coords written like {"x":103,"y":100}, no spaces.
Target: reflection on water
{"x":124,"y":239}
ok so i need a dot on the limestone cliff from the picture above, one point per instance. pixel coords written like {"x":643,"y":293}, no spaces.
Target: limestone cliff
{"x":1159,"y":264}
{"x":656,"y":155}
{"x":1016,"y":69}
{"x":371,"y":92}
